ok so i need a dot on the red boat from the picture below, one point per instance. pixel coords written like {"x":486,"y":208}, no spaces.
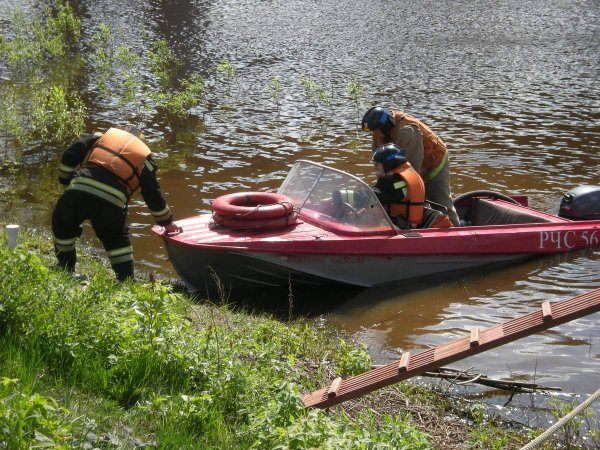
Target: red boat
{"x":307,"y":235}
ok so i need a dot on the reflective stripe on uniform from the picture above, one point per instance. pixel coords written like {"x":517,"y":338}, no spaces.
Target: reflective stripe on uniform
{"x":120,"y":255}
{"x":65,"y":168}
{"x":65,"y":172}
{"x":431,"y":175}
{"x":401,"y":185}
{"x":99,"y":189}
{"x":148,"y":165}
{"x":121,"y":259}
{"x":65,"y":245}
{"x":163,"y":214}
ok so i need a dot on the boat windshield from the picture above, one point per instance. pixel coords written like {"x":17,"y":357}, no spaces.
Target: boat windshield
{"x":335,"y":200}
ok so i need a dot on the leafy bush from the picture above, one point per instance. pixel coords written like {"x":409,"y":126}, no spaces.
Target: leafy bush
{"x":179,"y":103}
{"x":163,"y":62}
{"x":352,"y":360}
{"x":30,"y":420}
{"x":32,"y":105}
{"x":222,"y":381}
{"x":286,"y":424}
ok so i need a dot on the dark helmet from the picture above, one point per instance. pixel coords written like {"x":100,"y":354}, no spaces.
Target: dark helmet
{"x":377,"y":118}
{"x":390,"y":155}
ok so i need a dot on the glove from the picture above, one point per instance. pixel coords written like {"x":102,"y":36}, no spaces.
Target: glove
{"x":172,"y":229}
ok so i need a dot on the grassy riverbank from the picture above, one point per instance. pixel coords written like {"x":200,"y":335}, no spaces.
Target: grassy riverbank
{"x":86,"y":362}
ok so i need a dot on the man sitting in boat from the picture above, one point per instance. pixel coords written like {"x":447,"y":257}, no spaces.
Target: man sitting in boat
{"x":401,"y":190}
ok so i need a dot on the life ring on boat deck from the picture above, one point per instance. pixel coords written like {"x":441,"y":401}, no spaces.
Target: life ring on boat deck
{"x":253,"y":205}
{"x":465,"y":199}
{"x":254,"y":210}
{"x":257,"y":224}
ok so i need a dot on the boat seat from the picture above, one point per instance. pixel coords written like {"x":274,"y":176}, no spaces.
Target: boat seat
{"x":488,"y":212}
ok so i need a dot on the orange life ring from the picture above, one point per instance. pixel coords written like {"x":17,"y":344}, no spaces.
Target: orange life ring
{"x":257,"y":224}
{"x":253,"y":206}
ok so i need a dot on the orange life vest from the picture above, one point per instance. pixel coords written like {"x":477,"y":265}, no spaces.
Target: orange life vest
{"x":122,"y":154}
{"x":411,"y":209}
{"x":434,"y":148}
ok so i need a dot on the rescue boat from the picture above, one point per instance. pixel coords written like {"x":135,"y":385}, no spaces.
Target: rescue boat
{"x":307,"y":234}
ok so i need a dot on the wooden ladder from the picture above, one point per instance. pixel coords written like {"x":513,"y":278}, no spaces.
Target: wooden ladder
{"x":548,"y":316}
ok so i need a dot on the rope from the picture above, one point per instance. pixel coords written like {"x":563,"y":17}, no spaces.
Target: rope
{"x":550,"y":431}
{"x":284,"y":204}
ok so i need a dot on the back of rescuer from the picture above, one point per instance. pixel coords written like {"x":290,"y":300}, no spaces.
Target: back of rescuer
{"x":100,"y":173}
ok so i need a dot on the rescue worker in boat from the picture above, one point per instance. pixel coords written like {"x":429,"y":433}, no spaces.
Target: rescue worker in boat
{"x":100,"y":173}
{"x":426,"y":152}
{"x":401,"y":190}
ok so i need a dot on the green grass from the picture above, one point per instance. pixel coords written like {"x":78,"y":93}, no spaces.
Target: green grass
{"x":88,"y":362}
{"x":135,"y":363}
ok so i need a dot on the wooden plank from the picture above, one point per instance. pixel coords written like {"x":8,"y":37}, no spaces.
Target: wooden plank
{"x":404,"y":361}
{"x":546,"y":311}
{"x":474,"y":341}
{"x":561,"y":312}
{"x":335,"y":387}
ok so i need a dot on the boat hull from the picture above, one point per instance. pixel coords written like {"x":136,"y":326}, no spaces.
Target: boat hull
{"x":205,"y":269}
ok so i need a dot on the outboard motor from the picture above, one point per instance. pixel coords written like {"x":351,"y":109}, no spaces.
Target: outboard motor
{"x":581,"y":203}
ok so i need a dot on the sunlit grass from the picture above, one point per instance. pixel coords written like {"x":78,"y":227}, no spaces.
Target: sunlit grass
{"x":181,"y":375}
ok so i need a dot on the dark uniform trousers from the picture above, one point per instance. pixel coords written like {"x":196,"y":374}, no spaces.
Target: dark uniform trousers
{"x":109,"y":223}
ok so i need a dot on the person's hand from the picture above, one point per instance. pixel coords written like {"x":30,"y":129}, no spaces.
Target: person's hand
{"x":172,"y":229}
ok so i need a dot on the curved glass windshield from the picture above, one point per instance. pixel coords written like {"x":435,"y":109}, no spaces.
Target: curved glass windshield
{"x":335,"y":200}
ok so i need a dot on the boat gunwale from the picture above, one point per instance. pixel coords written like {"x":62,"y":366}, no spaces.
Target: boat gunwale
{"x":325,"y":246}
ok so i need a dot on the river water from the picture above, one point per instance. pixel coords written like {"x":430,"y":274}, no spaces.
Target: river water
{"x":513,"y":87}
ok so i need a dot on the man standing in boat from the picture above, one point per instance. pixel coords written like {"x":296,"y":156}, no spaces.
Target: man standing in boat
{"x":401,"y":190}
{"x":426,"y":152}
{"x":101,"y":172}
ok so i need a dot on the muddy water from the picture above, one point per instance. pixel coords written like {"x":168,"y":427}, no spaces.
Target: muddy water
{"x":513,"y":87}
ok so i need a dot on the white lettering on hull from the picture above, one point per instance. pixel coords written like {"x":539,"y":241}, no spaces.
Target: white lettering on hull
{"x":568,"y":240}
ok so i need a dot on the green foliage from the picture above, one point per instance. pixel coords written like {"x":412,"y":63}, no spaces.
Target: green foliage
{"x":12,"y":123}
{"x":570,"y":433}
{"x":31,"y":420}
{"x":66,"y":115}
{"x":315,"y":92}
{"x":62,"y":29}
{"x":8,"y":190}
{"x":352,"y":360}
{"x":226,"y":68}
{"x":33,"y":107}
{"x":164,"y":63}
{"x":56,"y":115}
{"x":478,"y":413}
{"x":113,"y":67}
{"x":179,"y":103}
{"x":103,"y":38}
{"x":227,"y":75}
{"x":222,"y":381}
{"x":117,"y":69}
{"x":356,"y":92}
{"x":39,"y":38}
{"x":275,"y":91}
{"x":285,"y":424}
